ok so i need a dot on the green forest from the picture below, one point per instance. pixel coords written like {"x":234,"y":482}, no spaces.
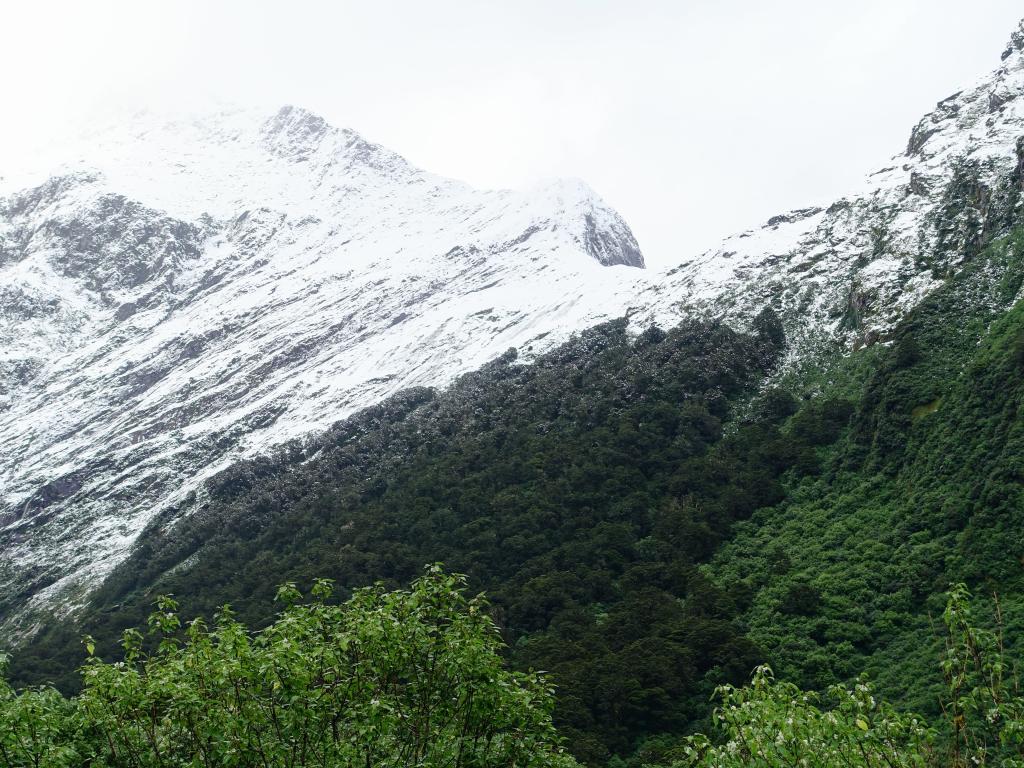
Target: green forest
{"x":652,"y":517}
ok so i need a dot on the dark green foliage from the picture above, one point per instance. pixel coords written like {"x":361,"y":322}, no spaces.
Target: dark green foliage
{"x":821,"y":422}
{"x":777,"y":405}
{"x":580,"y":491}
{"x":925,"y":488}
{"x":768,"y":325}
{"x":801,"y":599}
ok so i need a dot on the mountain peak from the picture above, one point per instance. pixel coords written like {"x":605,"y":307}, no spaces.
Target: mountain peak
{"x":294,"y":132}
{"x":196,"y":288}
{"x":602,"y":232}
{"x":299,"y":135}
{"x":988,"y":114}
{"x":1016,"y":44}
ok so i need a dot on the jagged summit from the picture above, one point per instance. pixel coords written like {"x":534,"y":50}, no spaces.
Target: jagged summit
{"x":294,"y":132}
{"x":843,"y":275}
{"x":969,"y":119}
{"x":1016,"y":44}
{"x":221,"y":163}
{"x":300,"y":136}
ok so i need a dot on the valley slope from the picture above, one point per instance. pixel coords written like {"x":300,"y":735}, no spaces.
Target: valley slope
{"x":196,"y":292}
{"x":190,"y":293}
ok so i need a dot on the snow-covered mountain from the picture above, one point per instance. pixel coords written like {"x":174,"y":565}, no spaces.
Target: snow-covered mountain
{"x":842,"y":275}
{"x":178,"y":294}
{"x":185,"y":293}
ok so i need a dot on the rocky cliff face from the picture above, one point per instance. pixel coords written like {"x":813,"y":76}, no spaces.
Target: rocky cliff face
{"x":190,"y":292}
{"x":842,"y":275}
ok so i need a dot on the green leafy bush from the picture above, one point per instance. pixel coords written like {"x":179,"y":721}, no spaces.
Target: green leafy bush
{"x":403,"y":678}
{"x":772,"y":724}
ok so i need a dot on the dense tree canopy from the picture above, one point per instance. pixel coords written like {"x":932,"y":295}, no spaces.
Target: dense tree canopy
{"x":581,"y":491}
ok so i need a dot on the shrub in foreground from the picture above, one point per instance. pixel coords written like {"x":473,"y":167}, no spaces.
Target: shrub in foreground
{"x":403,"y":678}
{"x":770,"y":724}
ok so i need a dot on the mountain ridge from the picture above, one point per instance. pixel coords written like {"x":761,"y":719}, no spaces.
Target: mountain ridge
{"x":153,"y":333}
{"x":278,"y":278}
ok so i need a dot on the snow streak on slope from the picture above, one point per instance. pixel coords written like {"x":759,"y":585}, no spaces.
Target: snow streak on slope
{"x":188,"y":293}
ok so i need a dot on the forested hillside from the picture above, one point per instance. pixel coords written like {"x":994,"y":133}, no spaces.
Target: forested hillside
{"x":924,"y":490}
{"x":579,"y":491}
{"x":651,"y":516}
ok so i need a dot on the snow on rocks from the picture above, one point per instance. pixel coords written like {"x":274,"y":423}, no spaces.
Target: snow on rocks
{"x":188,"y":292}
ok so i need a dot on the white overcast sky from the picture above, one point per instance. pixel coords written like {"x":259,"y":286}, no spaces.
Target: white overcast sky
{"x":694,"y":118}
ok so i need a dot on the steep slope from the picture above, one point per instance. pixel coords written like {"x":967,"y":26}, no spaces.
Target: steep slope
{"x":925,"y":490}
{"x":554,"y":485}
{"x":187,"y":294}
{"x":842,"y":276}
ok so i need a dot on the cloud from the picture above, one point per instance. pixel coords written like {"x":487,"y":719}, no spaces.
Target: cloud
{"x":694,"y":118}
